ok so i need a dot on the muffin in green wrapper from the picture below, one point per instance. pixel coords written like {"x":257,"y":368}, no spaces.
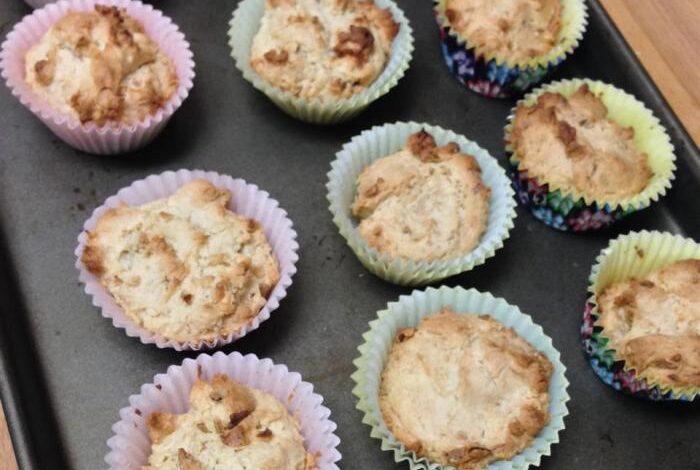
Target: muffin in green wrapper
{"x":321,"y":61}
{"x":417,"y":203}
{"x":404,"y":321}
{"x":584,"y":154}
{"x":639,"y":327}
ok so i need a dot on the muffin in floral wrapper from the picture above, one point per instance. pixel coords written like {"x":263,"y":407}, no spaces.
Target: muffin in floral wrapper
{"x":565,"y":209}
{"x":635,"y":257}
{"x":383,"y":141}
{"x":263,"y":242}
{"x":408,"y":312}
{"x":491,"y":73}
{"x":320,"y":108}
{"x":103,"y":136}
{"x":130,"y":445}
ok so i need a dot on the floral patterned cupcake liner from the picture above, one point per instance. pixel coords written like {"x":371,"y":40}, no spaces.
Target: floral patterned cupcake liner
{"x":244,"y":26}
{"x":408,"y":311}
{"x":381,"y":141}
{"x":570,"y":212}
{"x":633,"y":255}
{"x":493,"y":77}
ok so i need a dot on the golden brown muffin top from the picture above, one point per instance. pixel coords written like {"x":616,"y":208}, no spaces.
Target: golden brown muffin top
{"x":511,"y":30}
{"x":424,"y":202}
{"x":327,"y":49}
{"x":572,"y":145}
{"x":100,"y":66}
{"x":653,"y":323}
{"x":228,"y":427}
{"x":464,"y":390}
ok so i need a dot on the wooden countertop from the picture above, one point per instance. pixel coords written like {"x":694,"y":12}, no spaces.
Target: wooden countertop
{"x":666,"y":38}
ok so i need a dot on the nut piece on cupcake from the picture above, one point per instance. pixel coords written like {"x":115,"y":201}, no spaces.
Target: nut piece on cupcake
{"x":325,"y":49}
{"x":100,"y":67}
{"x":653,"y":324}
{"x":424,"y":202}
{"x":572,"y":145}
{"x":464,"y":390}
{"x":227,"y":426}
{"x":184,"y":267}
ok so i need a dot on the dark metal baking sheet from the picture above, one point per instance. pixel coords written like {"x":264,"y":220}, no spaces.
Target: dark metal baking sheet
{"x":65,"y":371}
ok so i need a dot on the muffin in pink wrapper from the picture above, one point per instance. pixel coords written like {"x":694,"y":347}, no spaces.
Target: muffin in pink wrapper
{"x":272,"y":239}
{"x":130,"y":446}
{"x":98,"y":136}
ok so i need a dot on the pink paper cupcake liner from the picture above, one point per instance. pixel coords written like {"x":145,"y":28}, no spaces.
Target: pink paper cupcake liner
{"x":246,"y":199}
{"x":111,"y":138}
{"x":130,"y":446}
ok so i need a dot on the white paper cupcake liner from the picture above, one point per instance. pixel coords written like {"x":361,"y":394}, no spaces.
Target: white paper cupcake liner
{"x":130,"y":447}
{"x":382,"y":141}
{"x":246,"y":199}
{"x":407,"y":312}
{"x":111,"y":138}
{"x":245,"y":25}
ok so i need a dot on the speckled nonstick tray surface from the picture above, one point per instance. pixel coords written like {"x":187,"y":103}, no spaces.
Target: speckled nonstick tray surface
{"x":66,"y":371}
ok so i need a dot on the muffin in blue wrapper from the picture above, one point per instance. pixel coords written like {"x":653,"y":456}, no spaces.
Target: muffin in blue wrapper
{"x":565,"y":210}
{"x":487,"y":73}
{"x":631,"y":256}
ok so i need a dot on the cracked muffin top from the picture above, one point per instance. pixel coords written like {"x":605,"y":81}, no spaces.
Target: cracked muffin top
{"x":326,"y":49}
{"x":100,"y":66}
{"x":464,"y":390}
{"x":653,"y":323}
{"x":572,"y":145}
{"x":510,"y":30}
{"x":184,"y":267}
{"x":228,"y":427}
{"x":424,"y":202}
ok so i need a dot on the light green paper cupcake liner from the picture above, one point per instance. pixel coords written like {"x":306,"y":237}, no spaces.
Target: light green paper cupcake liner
{"x":245,"y":24}
{"x":573,"y":26}
{"x":649,"y":137}
{"x":635,"y":255}
{"x":407,"y":312}
{"x":382,"y":141}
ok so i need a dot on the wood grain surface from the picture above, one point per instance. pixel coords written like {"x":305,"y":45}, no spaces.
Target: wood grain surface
{"x":666,"y":38}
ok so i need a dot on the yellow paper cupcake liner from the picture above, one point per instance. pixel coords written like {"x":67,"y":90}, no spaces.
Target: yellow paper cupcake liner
{"x":636,"y":255}
{"x":246,"y":23}
{"x":382,"y":141}
{"x":650,"y":137}
{"x":573,"y":25}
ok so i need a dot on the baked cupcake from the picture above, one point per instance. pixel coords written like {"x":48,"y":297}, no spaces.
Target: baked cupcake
{"x":451,"y":378}
{"x":581,"y":160}
{"x":321,"y":60}
{"x":228,"y":425}
{"x":183,"y":267}
{"x":225,"y":411}
{"x":472,"y":376}
{"x":500,"y":48}
{"x":424,"y":203}
{"x":418,"y":203}
{"x":104,"y":77}
{"x":100,"y":66}
{"x":642,"y":323}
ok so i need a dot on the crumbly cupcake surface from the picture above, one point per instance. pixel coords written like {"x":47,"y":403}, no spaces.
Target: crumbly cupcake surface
{"x":507,"y":29}
{"x":424,"y":202}
{"x":464,"y":390}
{"x":184,"y":267}
{"x":100,"y":66}
{"x":653,"y":323}
{"x":572,"y":145}
{"x":228,"y":427}
{"x":326,"y":49}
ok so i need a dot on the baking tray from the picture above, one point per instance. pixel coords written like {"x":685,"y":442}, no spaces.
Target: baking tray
{"x":66,"y":371}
